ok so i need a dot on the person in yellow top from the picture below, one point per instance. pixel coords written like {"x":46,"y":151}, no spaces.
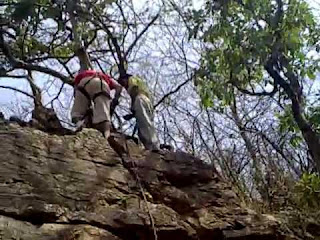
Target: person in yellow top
{"x":142,"y":110}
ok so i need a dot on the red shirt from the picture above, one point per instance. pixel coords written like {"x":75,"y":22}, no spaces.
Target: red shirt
{"x":91,"y":73}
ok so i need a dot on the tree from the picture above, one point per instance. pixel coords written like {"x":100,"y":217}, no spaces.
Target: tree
{"x":260,"y":48}
{"x":57,"y":38}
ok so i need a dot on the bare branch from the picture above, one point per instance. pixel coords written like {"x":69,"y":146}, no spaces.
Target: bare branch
{"x":172,"y":92}
{"x":87,"y":44}
{"x":140,"y":35}
{"x":17,"y":90}
{"x":258,"y":94}
{"x":58,"y":95}
{"x":23,"y":65}
{"x":12,"y":76}
{"x":278,"y":80}
{"x":122,"y":14}
{"x":121,"y":59}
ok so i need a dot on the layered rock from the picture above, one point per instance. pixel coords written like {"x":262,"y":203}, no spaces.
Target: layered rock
{"x":80,"y":187}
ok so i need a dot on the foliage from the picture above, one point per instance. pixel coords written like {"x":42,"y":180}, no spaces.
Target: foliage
{"x":242,"y":36}
{"x":42,"y":29}
{"x":314,"y":116}
{"x":23,"y":9}
{"x":288,"y":125}
{"x":307,"y":191}
{"x":264,"y":49}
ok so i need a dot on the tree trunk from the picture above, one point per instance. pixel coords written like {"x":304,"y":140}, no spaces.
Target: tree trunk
{"x":294,"y":92}
{"x":79,"y":48}
{"x":310,"y":136}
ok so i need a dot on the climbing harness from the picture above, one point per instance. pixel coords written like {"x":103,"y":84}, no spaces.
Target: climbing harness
{"x":83,"y":90}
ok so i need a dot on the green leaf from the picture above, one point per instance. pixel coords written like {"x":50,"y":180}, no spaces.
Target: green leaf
{"x":311,"y":74}
{"x":23,"y":9}
{"x":295,"y":141}
{"x":53,"y":12}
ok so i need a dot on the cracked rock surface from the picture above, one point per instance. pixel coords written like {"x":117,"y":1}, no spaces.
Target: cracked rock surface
{"x":79,"y":187}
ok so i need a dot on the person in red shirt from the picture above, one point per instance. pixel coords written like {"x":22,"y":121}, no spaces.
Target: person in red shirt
{"x":93,"y":88}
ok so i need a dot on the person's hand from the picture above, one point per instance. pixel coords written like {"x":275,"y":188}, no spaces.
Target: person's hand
{"x":115,"y":102}
{"x":79,"y":125}
{"x":128,"y":116}
{"x":113,"y":105}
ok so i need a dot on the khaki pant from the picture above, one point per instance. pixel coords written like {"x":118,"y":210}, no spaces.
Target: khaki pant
{"x":101,"y":104}
{"x":143,"y":111}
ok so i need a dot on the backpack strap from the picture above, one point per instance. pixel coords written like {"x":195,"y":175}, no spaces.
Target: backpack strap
{"x":84,"y":92}
{"x":103,"y":93}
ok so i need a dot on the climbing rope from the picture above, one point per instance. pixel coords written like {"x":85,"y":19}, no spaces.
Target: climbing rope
{"x":138,"y":180}
{"x":142,"y":191}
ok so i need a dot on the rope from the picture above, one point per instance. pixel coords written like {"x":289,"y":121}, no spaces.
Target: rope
{"x":142,"y":192}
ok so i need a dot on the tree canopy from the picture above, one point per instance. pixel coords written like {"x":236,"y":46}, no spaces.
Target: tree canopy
{"x":260,"y":48}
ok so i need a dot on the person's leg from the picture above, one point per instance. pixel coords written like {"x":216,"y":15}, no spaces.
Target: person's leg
{"x":101,"y":109}
{"x":144,"y":116}
{"x":80,"y":106}
{"x":99,"y":90}
{"x":104,"y":128}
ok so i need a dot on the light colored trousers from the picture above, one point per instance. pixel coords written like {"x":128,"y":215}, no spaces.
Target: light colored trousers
{"x":143,"y":111}
{"x":101,"y":106}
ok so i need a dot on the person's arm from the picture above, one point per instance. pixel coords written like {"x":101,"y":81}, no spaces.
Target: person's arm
{"x":115,"y":101}
{"x":118,"y":88}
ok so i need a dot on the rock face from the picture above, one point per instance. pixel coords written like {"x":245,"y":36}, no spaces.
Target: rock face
{"x":79,"y":187}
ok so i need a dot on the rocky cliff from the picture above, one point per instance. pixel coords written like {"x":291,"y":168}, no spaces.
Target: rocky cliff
{"x":79,"y":187}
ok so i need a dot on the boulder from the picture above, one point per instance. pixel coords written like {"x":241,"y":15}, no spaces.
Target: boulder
{"x":81,"y":187}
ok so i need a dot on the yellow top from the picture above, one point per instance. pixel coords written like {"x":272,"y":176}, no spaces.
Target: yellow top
{"x":137,"y":86}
